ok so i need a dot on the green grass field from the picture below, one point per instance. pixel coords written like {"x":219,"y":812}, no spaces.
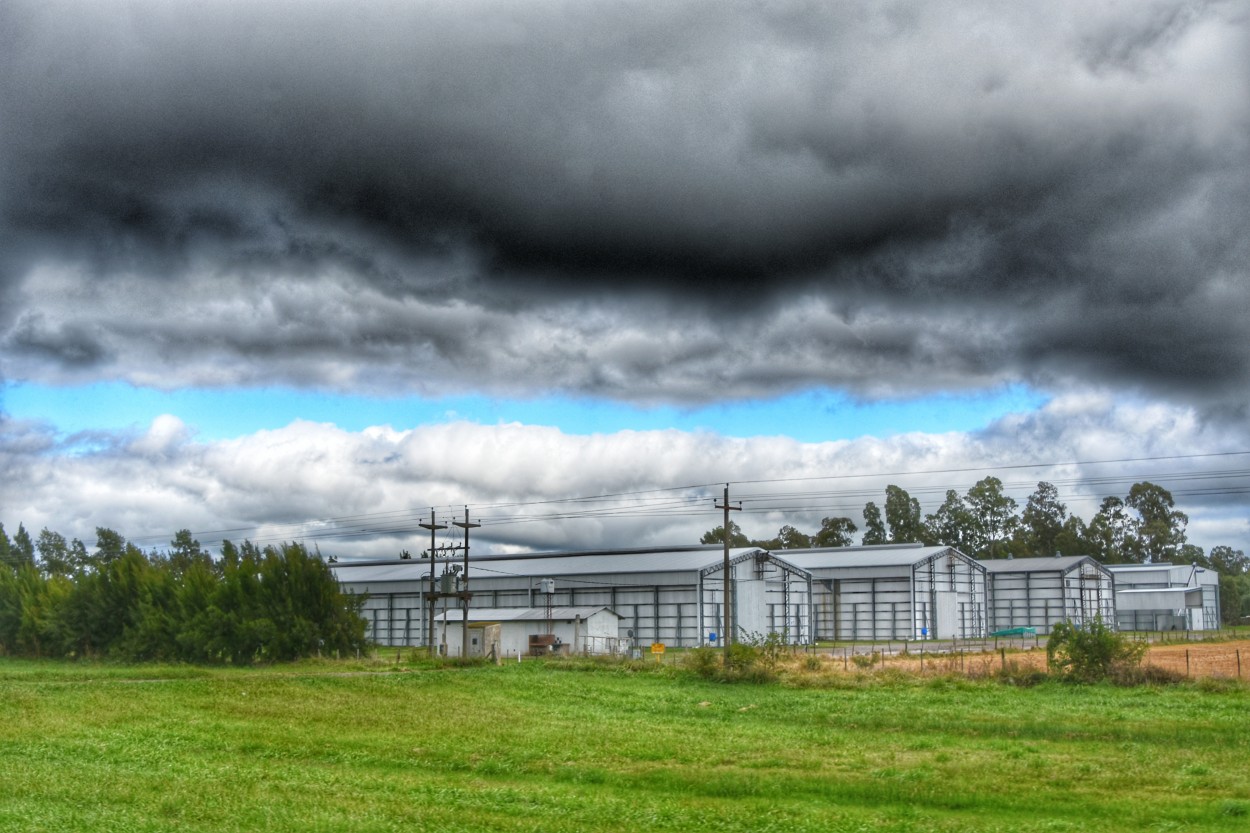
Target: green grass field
{"x":327,"y":747}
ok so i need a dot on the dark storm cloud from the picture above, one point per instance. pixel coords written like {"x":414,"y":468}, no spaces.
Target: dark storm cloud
{"x":1025,"y":193}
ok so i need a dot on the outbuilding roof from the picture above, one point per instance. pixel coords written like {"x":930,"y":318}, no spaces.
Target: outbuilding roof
{"x":521,"y":614}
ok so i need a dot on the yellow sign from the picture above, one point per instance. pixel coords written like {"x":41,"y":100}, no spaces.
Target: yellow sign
{"x":657,"y":647}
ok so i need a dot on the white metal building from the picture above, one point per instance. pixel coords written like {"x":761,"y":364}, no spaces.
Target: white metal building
{"x":674,"y":596}
{"x":1166,"y":597}
{"x":1040,"y":592}
{"x":899,"y":591}
{"x":576,"y":630}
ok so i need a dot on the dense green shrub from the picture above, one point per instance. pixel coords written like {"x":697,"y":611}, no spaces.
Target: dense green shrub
{"x":1091,"y":652}
{"x":276,"y":603}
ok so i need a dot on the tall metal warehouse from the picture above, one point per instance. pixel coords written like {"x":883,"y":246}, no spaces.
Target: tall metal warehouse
{"x":901,"y":591}
{"x":1164,"y":597}
{"x":673,"y":596}
{"x":1040,"y":592}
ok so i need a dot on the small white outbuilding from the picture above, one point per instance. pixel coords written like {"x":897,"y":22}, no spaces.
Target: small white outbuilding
{"x":521,"y":631}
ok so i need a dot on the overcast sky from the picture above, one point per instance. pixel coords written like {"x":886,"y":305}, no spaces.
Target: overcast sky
{"x":268,"y":263}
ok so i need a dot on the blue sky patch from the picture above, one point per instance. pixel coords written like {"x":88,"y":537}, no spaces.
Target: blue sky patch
{"x":809,"y":416}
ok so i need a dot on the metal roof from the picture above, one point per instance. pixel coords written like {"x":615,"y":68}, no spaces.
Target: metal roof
{"x":1037,"y":565}
{"x":545,"y":564}
{"x":521,"y":614}
{"x":1134,"y":591}
{"x":1158,"y":598}
{"x":897,"y":555}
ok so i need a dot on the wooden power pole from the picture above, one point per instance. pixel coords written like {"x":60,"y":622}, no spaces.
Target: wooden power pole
{"x":725,"y":639}
{"x":432,"y":596}
{"x":464,"y":593}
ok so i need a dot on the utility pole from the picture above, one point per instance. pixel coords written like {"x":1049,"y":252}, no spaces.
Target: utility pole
{"x":464,"y":594}
{"x":431,"y":596}
{"x":725,"y":640}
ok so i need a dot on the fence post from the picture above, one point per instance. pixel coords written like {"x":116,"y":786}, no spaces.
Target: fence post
{"x":1239,"y":663}
{"x":1186,"y":662}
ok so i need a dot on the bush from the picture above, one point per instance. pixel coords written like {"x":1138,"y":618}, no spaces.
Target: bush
{"x":1092,"y":652}
{"x":744,"y":655}
{"x":769,"y":649}
{"x":704,"y":661}
{"x":747,"y":664}
{"x":866,"y":660}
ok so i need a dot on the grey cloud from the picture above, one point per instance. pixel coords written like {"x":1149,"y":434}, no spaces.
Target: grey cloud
{"x":1072,"y":179}
{"x":70,"y":345}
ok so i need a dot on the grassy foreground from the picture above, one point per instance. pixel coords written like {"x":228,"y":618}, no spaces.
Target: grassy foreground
{"x":548,"y":748}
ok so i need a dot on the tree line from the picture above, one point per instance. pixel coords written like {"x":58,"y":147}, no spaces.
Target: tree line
{"x":986,"y":523}
{"x":276,"y":603}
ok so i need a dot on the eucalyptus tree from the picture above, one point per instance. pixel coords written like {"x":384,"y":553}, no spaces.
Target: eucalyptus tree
{"x":1043,"y":520}
{"x":950,"y":524}
{"x":874,"y":526}
{"x":717,"y":536}
{"x":789,"y":538}
{"x":1073,"y":538}
{"x":835,"y":532}
{"x":1232,"y":567}
{"x":1228,"y":561}
{"x":1161,"y":526}
{"x":1112,"y":533}
{"x":902,"y":516}
{"x":991,"y":515}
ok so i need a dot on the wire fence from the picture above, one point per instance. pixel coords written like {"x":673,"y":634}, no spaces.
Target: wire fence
{"x":1202,"y":654}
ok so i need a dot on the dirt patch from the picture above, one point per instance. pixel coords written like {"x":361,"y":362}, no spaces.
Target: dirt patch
{"x":1197,"y":659}
{"x":1204,"y":659}
{"x":974,"y":663}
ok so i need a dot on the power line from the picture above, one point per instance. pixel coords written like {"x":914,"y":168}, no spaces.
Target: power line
{"x":690,"y":500}
{"x":996,"y":468}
